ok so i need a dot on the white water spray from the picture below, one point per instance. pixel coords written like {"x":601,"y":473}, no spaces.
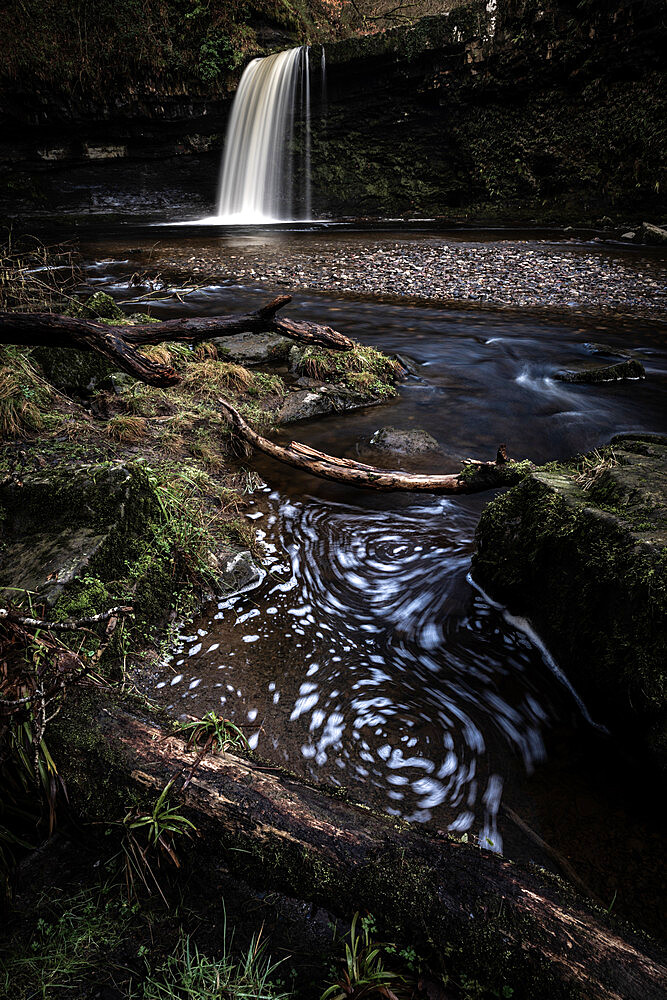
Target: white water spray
{"x":257,"y":171}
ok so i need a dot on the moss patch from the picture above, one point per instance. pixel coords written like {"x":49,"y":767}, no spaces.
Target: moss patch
{"x":583,"y":555}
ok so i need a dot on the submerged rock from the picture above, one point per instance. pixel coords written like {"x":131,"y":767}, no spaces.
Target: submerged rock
{"x":404,"y":442}
{"x":580,"y":549}
{"x":610,"y":373}
{"x":236,"y":571}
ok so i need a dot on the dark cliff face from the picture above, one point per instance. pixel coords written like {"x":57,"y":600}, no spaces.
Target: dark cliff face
{"x":510,"y":110}
{"x":499,"y":109}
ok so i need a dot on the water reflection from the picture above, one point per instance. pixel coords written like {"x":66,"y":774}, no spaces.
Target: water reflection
{"x":372,"y":662}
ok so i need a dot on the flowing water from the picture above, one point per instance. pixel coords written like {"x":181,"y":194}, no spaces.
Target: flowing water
{"x":257,"y":178}
{"x":367,"y":658}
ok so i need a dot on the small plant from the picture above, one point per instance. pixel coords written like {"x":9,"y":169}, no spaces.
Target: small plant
{"x":364,"y":974}
{"x":147,"y":834}
{"x":212,"y":732}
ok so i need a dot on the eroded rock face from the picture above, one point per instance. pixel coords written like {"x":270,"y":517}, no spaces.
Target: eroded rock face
{"x":580,"y":549}
{"x":404,"y":442}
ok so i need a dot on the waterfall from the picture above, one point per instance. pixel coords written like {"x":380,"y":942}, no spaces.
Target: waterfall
{"x":323,"y":86}
{"x":257,"y":170}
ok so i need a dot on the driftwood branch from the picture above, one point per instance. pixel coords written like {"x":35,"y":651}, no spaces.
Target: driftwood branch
{"x":120,"y":343}
{"x":502,"y":919}
{"x":72,"y":625}
{"x":477,"y":476}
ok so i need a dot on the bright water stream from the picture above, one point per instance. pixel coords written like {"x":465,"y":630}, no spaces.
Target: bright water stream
{"x":367,"y":658}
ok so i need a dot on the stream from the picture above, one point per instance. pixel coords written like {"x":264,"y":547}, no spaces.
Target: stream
{"x":367,"y":658}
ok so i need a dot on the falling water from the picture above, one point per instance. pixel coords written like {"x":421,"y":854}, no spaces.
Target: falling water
{"x":256,"y":181}
{"x":306,"y":125}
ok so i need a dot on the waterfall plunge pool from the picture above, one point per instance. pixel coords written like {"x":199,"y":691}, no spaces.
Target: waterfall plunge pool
{"x":366,"y":658}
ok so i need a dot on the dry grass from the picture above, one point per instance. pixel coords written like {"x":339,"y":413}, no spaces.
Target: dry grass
{"x":593,"y":466}
{"x":37,"y":278}
{"x":24,"y":394}
{"x":210,"y":378}
{"x":126,"y":429}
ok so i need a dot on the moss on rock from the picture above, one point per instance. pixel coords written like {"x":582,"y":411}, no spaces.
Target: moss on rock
{"x":580,"y":549}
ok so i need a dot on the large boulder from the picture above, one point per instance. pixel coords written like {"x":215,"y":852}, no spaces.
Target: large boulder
{"x":63,"y":524}
{"x":314,"y":399}
{"x":648,"y":233}
{"x":580,"y":549}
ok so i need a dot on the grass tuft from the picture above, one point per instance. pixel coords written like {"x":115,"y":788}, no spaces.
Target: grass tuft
{"x":189,"y":975}
{"x":24,"y":394}
{"x":362,"y":369}
{"x":126,"y":429}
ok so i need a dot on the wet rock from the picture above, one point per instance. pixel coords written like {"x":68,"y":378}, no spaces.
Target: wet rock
{"x":62,"y":524}
{"x":581,"y":550}
{"x":320,"y":400}
{"x":612,"y":352}
{"x":655,"y":235}
{"x":610,"y":373}
{"x":404,"y":442}
{"x":236,"y":571}
{"x":628,"y":236}
{"x":254,"y":348}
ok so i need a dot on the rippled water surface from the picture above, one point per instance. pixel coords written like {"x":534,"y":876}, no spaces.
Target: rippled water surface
{"x":367,"y":658}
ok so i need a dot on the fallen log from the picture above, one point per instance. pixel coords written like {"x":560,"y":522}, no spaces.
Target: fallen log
{"x":474,"y":478}
{"x":500,"y":922}
{"x":119,"y":343}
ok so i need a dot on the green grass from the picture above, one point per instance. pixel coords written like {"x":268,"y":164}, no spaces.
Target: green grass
{"x":96,"y":938}
{"x":362,"y":369}
{"x":187,"y":974}
{"x":69,"y":946}
{"x":26,"y":398}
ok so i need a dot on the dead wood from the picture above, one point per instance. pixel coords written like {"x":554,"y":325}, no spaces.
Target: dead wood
{"x":120,"y":343}
{"x":478,"y":476}
{"x":515,"y":924}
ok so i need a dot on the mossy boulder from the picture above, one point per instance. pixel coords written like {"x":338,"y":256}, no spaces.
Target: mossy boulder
{"x":100,"y":305}
{"x":62,"y":525}
{"x":580,"y":549}
{"x":76,"y":373}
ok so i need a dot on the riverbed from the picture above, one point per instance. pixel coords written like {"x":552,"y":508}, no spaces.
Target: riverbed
{"x":367,"y":658}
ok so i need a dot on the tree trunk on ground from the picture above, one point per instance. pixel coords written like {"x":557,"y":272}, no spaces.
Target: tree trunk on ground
{"x":119,"y":343}
{"x":501,"y":923}
{"x":478,"y":476}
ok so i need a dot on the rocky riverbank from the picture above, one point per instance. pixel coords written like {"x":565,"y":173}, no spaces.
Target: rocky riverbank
{"x":579,"y":549}
{"x":566,"y":276}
